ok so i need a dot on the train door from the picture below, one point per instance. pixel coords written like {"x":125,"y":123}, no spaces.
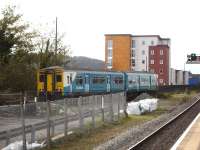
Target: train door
{"x":108,"y":83}
{"x":86,"y":83}
{"x":70,"y":83}
{"x":67,"y":83}
{"x":49,"y":82}
{"x":150,"y":82}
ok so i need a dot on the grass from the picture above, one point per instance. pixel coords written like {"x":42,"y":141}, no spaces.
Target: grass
{"x":106,"y":131}
{"x":178,"y":96}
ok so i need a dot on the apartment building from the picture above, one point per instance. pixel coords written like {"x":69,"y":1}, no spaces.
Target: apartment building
{"x":159,"y":63}
{"x":126,"y":52}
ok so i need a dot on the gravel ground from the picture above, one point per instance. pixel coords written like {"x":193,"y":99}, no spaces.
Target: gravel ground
{"x":134,"y":135}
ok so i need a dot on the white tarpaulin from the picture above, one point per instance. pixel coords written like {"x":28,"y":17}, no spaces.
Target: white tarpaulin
{"x":134,"y":108}
{"x":142,"y":106}
{"x":19,"y":146}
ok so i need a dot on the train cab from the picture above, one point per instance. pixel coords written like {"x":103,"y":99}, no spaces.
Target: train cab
{"x":51,"y":80}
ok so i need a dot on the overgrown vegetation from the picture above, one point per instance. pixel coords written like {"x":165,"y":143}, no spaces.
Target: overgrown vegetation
{"x":23,"y":50}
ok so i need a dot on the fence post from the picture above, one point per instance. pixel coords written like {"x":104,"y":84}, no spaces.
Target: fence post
{"x":80,"y":100}
{"x":32,"y":133}
{"x":124,"y":104}
{"x":93,"y":111}
{"x":111,"y":108}
{"x":102,"y":107}
{"x":7,"y":137}
{"x":48,"y":121}
{"x":65,"y":117}
{"x":52,"y":127}
{"x":23,"y":101}
{"x":118,"y":106}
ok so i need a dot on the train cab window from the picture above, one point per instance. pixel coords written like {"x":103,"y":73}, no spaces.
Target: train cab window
{"x":58,"y":78}
{"x":79,"y":80}
{"x":67,"y":79}
{"x":42,"y":78}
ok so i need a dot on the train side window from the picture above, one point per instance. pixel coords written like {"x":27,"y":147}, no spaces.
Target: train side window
{"x":42,"y":78}
{"x":58,"y":78}
{"x":118,"y":80}
{"x":98,"y":80}
{"x":79,"y":80}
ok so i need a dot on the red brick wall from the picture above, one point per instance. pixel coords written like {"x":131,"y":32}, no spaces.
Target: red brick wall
{"x":157,"y":66}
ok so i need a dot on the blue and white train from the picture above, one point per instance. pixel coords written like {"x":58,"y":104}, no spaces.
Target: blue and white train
{"x":78,"y":82}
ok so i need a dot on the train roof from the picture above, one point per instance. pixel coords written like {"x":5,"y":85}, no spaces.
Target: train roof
{"x":52,"y":68}
{"x":144,"y":72}
{"x":90,"y":71}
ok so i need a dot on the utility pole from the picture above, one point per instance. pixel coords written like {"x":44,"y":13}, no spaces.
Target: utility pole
{"x":56,"y":41}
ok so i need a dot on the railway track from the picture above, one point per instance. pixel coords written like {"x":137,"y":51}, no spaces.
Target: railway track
{"x":165,"y":136}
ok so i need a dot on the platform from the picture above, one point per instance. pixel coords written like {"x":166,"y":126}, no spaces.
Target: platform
{"x":190,"y":139}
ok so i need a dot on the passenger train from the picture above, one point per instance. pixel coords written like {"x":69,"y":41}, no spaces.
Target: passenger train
{"x":79,"y":82}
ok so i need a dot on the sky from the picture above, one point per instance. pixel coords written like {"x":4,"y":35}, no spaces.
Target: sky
{"x":84,"y":23}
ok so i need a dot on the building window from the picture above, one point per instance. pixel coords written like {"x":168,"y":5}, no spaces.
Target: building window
{"x":152,"y":52}
{"x":161,"y":80}
{"x":143,"y":52}
{"x":133,"y":44}
{"x":161,"y":71}
{"x":161,"y":52}
{"x":143,"y":42}
{"x":110,"y":44}
{"x":152,"y":42}
{"x":143,"y":61}
{"x":152,"y":61}
{"x":133,"y":62}
{"x":109,"y":52}
{"x":109,"y":62}
{"x":133,"y":53}
{"x":161,"y":61}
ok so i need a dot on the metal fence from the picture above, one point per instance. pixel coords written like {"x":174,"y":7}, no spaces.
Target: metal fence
{"x":48,"y":120}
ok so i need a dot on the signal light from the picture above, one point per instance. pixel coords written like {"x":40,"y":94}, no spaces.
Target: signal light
{"x":193,"y":57}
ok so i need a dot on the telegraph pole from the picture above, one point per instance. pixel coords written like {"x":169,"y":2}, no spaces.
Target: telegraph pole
{"x":56,"y":40}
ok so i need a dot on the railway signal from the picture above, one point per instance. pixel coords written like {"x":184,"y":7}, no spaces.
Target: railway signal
{"x":193,"y":59}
